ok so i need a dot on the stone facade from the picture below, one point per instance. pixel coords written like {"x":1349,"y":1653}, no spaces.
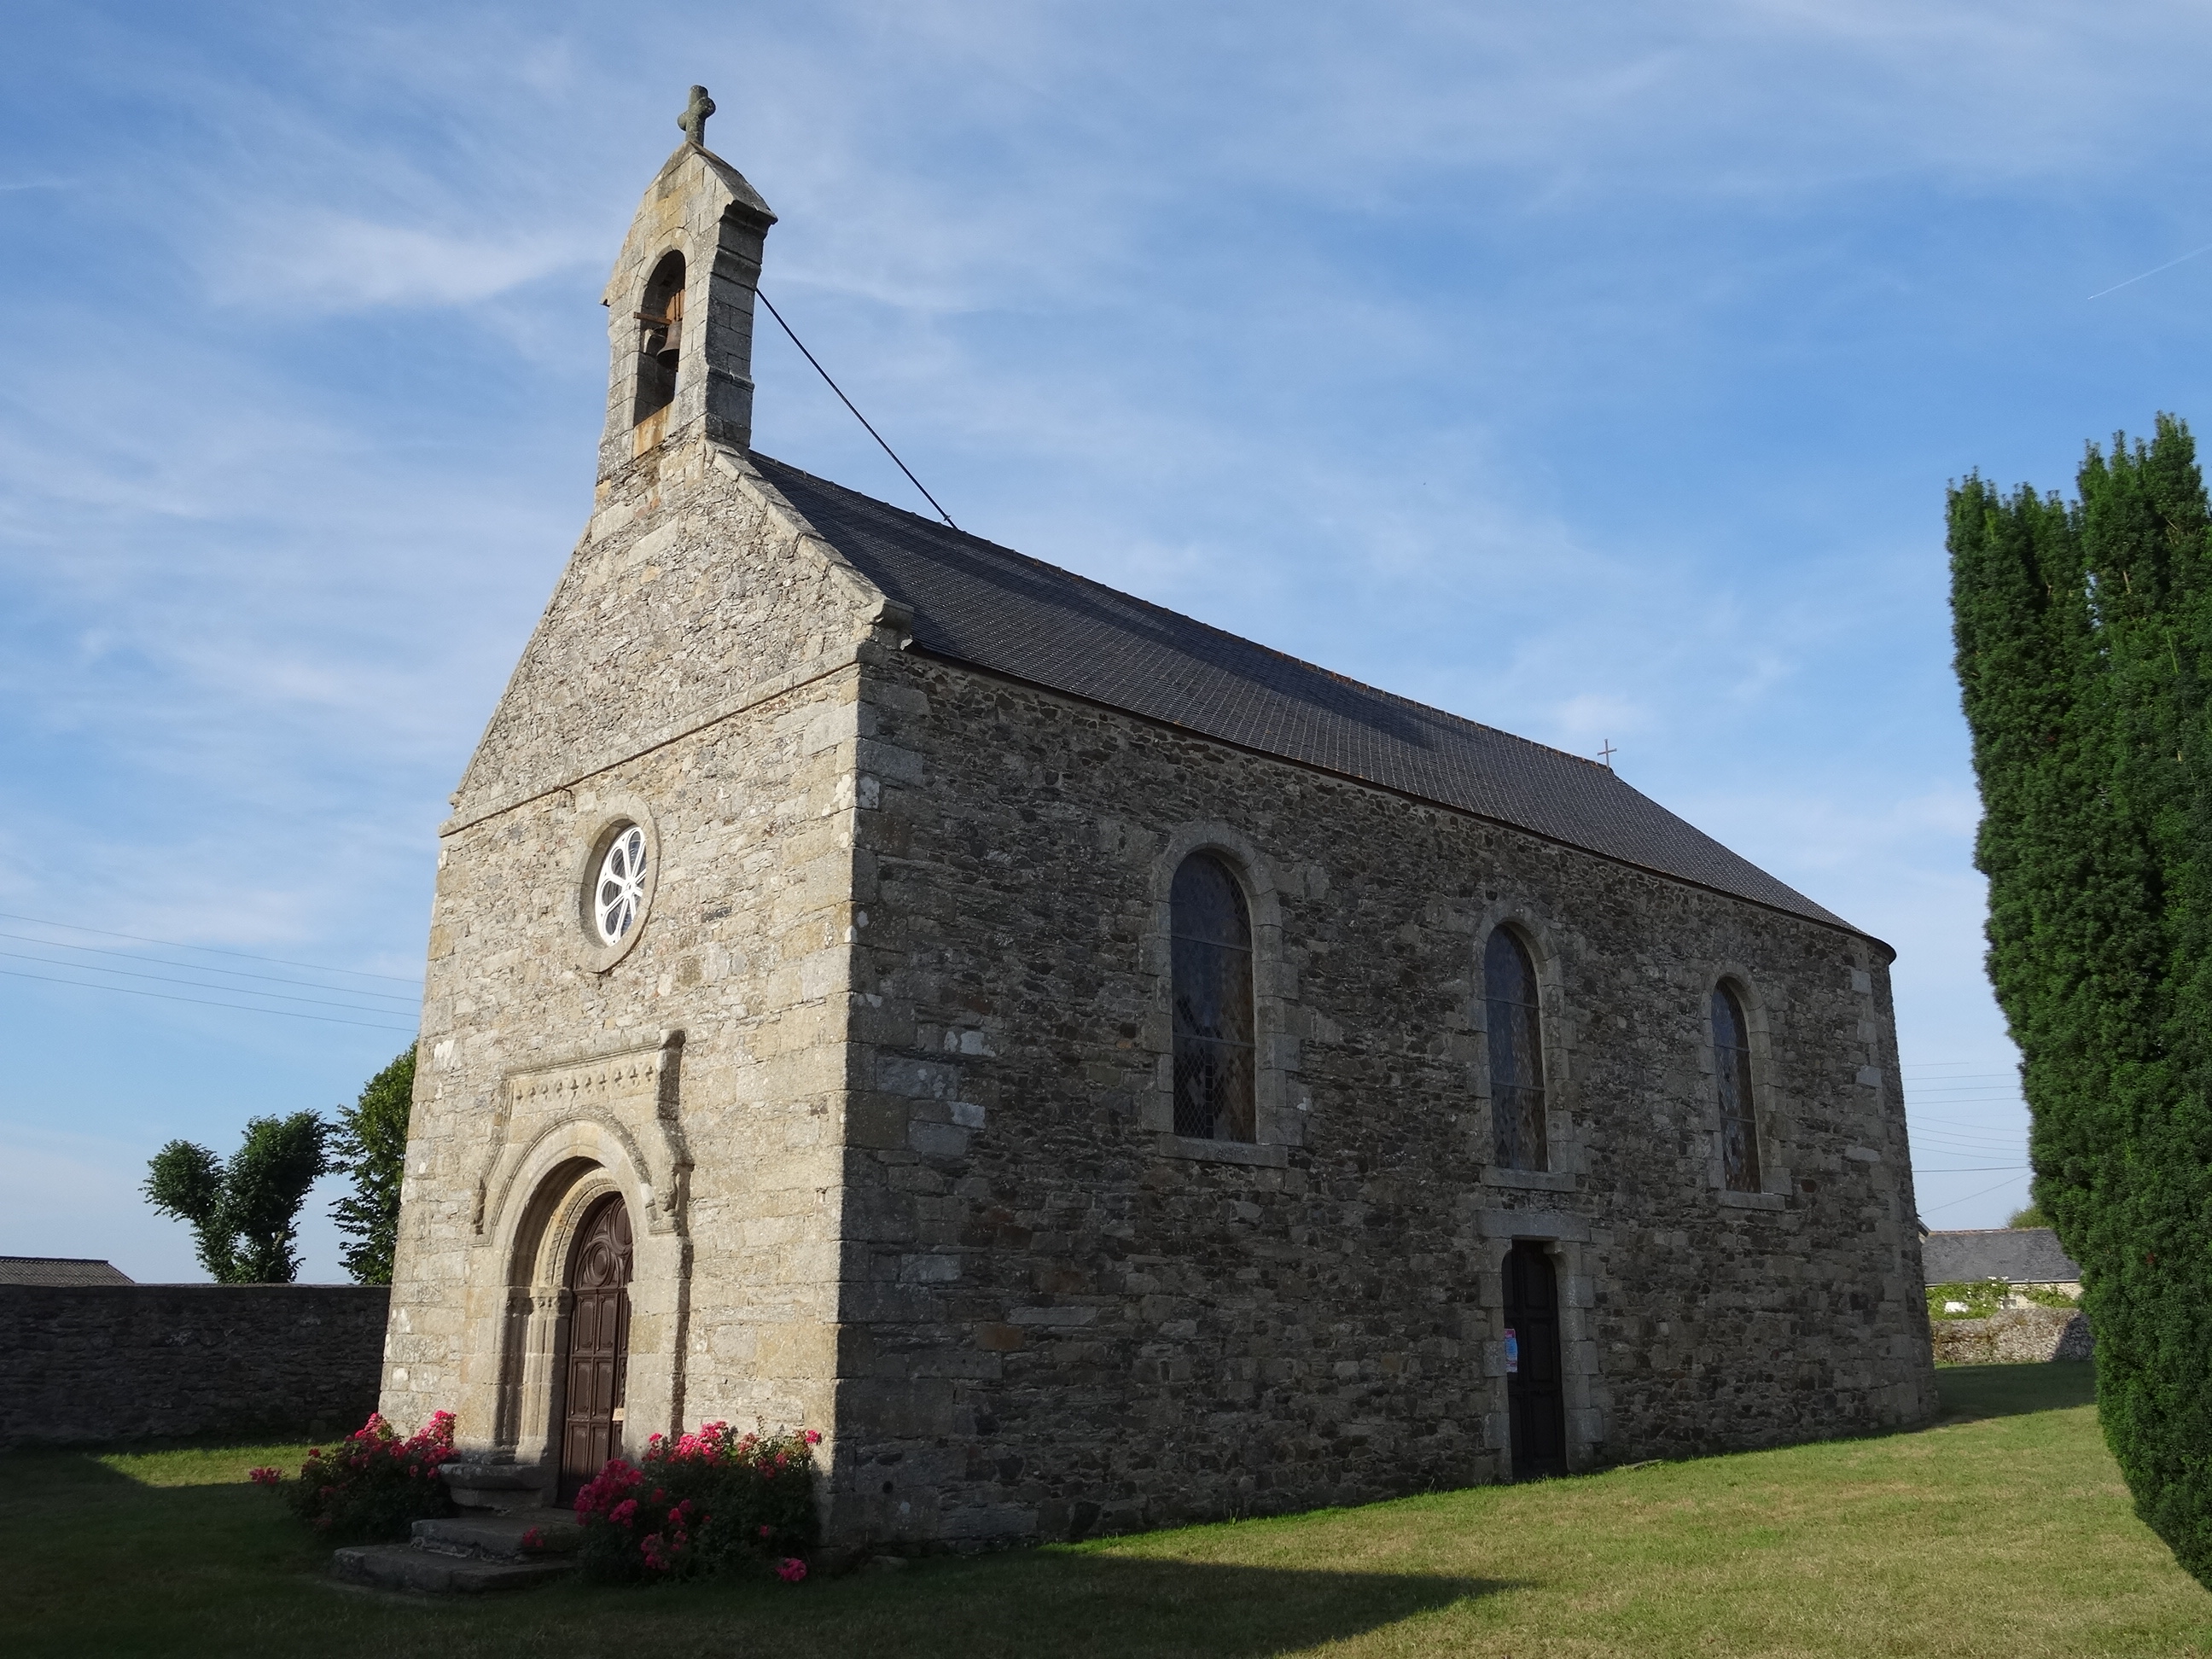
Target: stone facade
{"x":882,"y":1072}
{"x":93,"y":1364}
{"x":1056,"y":1291}
{"x":2015,"y":1336}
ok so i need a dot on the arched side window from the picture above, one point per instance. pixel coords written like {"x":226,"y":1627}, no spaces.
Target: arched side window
{"x":1517,"y":1051}
{"x":1732,"y":1072}
{"x":659,"y":339}
{"x":1214,"y":1059}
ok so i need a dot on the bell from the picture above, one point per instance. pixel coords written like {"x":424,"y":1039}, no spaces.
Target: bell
{"x":669,"y":333}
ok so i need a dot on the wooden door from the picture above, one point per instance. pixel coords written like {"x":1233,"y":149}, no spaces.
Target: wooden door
{"x":1533,"y":1391}
{"x":595,"y":1363}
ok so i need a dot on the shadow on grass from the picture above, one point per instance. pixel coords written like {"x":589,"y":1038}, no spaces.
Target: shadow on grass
{"x":1969,"y":1393}
{"x":103,"y":1563}
{"x":1055,"y":1601}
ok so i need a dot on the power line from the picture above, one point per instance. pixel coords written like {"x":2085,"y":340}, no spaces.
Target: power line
{"x":194,"y":967}
{"x":169,"y":979}
{"x":1970,"y":1197}
{"x":1970,"y":1169}
{"x":848,"y":402}
{"x":237,"y":1007}
{"x":213,"y":950}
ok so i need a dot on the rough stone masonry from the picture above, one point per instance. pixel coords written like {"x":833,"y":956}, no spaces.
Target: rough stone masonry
{"x":883,"y":1067}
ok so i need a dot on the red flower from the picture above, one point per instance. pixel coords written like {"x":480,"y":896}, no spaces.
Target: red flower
{"x":791,"y":1570}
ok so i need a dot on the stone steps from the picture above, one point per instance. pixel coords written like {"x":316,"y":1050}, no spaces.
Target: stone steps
{"x":498,"y":1535}
{"x":468,"y":1554}
{"x":428,"y":1572}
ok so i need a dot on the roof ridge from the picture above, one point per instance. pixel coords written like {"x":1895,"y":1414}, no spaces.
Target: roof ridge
{"x":939,"y":528}
{"x":979,"y":602}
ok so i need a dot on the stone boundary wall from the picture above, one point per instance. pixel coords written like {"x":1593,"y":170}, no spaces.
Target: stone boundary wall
{"x":95,"y":1363}
{"x":2011,"y":1336}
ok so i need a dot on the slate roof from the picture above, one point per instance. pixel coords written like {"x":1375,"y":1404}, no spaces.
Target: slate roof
{"x":58,"y":1270}
{"x":2019,"y":1256}
{"x":975,"y":602}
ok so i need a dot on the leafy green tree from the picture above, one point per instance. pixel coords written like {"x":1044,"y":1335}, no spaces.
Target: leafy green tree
{"x":2033,"y":1215}
{"x":243,"y":1213}
{"x":2084,"y":634}
{"x":371,"y":1146}
{"x":186,"y":1182}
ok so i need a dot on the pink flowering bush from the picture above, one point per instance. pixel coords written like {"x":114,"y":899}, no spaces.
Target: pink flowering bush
{"x":709,"y":1502}
{"x":372,"y":1485}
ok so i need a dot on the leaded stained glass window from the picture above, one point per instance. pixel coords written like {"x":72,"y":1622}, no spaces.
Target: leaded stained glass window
{"x":1214,"y":1019}
{"x":1517,"y":1051}
{"x":1732,"y":1070}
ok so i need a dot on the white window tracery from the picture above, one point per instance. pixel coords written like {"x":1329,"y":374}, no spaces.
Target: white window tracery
{"x":618,"y":890}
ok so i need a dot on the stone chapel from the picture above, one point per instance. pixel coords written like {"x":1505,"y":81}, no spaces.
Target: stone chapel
{"x":1098,"y":1070}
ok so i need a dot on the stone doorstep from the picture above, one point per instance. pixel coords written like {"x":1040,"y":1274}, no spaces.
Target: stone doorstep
{"x":495,"y":1485}
{"x":468,"y":1554}
{"x":404,"y":1567}
{"x":498,"y":1537}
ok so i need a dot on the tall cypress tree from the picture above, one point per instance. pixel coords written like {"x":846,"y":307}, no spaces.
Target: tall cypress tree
{"x":2082,"y":631}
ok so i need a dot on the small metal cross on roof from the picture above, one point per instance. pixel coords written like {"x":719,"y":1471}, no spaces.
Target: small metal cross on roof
{"x":694,"y":118}
{"x":1606,"y":754}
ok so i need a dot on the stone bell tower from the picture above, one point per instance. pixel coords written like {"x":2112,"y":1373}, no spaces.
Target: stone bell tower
{"x":680,"y":304}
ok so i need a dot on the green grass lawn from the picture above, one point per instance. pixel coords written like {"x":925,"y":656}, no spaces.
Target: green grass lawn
{"x":2003,"y":1531}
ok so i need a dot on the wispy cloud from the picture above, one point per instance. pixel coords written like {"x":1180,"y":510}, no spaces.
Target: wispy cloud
{"x":306,"y":260}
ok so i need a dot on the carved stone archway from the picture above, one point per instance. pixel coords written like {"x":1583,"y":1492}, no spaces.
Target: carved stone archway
{"x":565,"y":1139}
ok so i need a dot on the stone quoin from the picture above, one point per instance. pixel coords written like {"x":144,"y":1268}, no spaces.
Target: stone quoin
{"x":881,"y":982}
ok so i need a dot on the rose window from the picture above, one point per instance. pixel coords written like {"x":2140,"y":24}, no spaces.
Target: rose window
{"x":618,"y":893}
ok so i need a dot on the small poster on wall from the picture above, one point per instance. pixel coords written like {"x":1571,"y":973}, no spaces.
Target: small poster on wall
{"x":1512,"y":1353}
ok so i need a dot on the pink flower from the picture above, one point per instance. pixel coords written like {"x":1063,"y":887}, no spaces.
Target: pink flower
{"x":534,"y":1539}
{"x":791,"y":1570}
{"x":763,"y":1532}
{"x":263,"y":1476}
{"x":623,"y":1513}
{"x":811,"y":1436}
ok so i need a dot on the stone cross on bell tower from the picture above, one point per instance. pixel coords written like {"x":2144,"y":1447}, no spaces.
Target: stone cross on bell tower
{"x":680,"y":305}
{"x":694,"y":118}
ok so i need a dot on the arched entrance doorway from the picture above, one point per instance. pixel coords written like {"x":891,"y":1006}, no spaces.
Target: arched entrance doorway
{"x":1535,"y":1393}
{"x":595,"y":1353}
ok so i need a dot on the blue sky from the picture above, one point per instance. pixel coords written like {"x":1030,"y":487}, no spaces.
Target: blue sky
{"x":1591,"y":371}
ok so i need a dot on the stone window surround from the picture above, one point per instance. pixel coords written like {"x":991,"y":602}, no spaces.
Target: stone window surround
{"x":1774,"y":1178}
{"x":1563,"y":1150}
{"x":1279,"y":1108}
{"x":1565,"y":1239}
{"x":606,"y":815}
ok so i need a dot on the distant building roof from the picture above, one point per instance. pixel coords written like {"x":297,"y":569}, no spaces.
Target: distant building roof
{"x":977,"y":602}
{"x":58,"y":1270}
{"x":2019,"y":1256}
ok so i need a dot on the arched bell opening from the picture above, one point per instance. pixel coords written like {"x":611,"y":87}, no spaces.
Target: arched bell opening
{"x":660,"y":341}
